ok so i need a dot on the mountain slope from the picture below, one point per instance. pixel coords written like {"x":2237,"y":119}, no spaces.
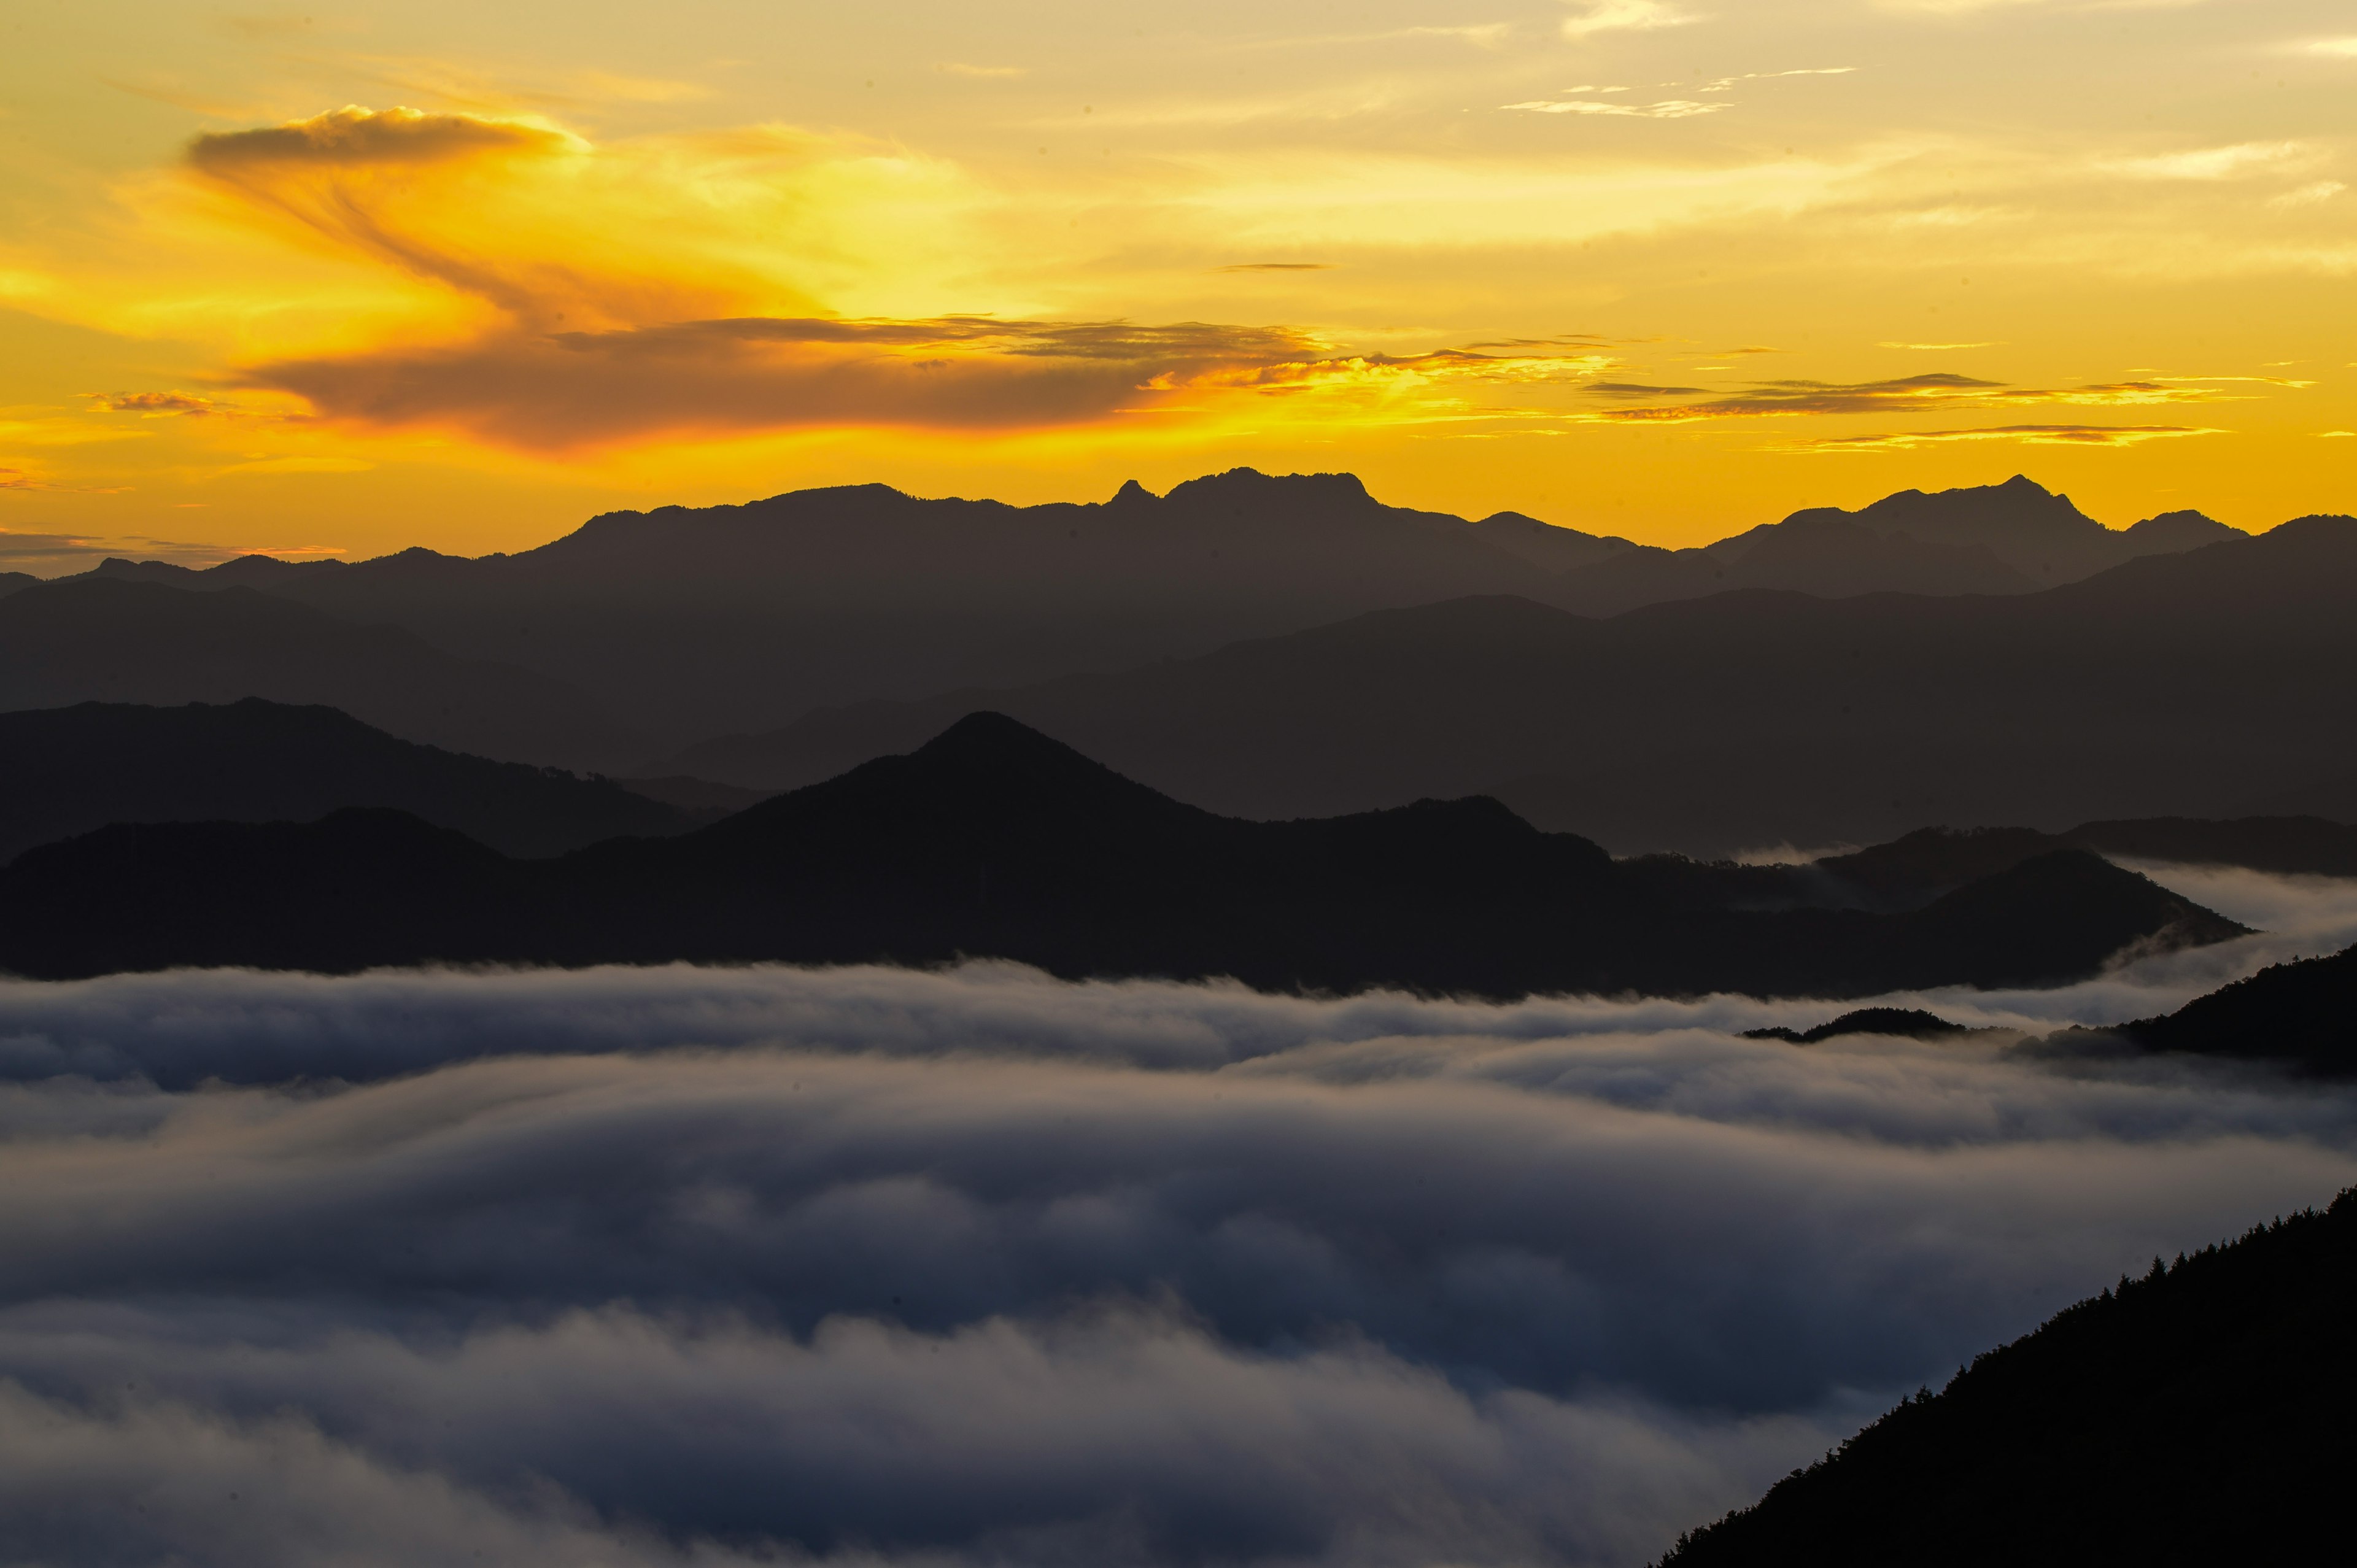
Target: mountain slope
{"x":2304,"y":1014}
{"x":68,"y":771}
{"x":2197,"y":1416}
{"x":99,"y":640}
{"x":993,"y":840}
{"x":2173,"y":685}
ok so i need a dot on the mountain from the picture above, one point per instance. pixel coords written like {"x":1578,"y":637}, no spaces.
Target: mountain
{"x":65,"y":771}
{"x":689,"y":623}
{"x":1545,"y":544}
{"x":2197,"y":1416}
{"x":992,"y":840}
{"x":15,"y":582}
{"x":98,"y":638}
{"x":2302,"y":1013}
{"x":2012,"y":538}
{"x":2172,"y":685}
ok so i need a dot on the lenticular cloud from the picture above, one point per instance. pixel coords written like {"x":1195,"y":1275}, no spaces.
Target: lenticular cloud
{"x":866,"y":1266}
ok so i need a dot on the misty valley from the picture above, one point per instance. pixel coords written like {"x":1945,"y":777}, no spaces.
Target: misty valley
{"x":1244,"y":1026}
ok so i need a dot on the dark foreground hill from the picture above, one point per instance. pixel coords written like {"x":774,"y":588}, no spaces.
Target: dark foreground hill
{"x":102,"y":640}
{"x":2198,"y":1415}
{"x":68,"y":771}
{"x":2174,"y":685}
{"x":992,"y":840}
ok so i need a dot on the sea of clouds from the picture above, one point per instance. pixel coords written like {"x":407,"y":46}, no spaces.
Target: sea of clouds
{"x":864,"y":1266}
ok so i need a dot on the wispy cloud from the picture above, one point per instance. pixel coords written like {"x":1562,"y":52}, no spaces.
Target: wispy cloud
{"x":2308,"y":195}
{"x":2210,"y":163}
{"x":1937,"y":390}
{"x":2025,"y":434}
{"x":1624,"y":16}
{"x":1727,"y":83}
{"x":982,"y":72}
{"x":1669,"y":109}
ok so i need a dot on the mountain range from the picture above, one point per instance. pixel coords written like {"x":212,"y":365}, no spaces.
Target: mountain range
{"x":992,"y":840}
{"x":680,"y":623}
{"x":65,"y":771}
{"x":2198,"y":685}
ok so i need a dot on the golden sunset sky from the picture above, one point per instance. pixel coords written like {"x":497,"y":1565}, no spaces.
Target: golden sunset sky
{"x":346,"y":277}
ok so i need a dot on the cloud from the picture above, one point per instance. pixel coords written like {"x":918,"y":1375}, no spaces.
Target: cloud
{"x":1276,"y":267}
{"x":873,"y":1266}
{"x":2027,"y":434}
{"x":1669,"y":109}
{"x":557,"y":392}
{"x":982,"y":72}
{"x":160,"y":404}
{"x":2210,"y":163}
{"x":1727,"y":83}
{"x":2308,"y":195}
{"x":1934,"y":391}
{"x":1935,"y":347}
{"x":354,"y":137}
{"x":1623,"y":16}
{"x":2332,"y":49}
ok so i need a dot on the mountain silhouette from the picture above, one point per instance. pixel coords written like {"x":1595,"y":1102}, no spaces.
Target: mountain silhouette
{"x":2173,"y":685}
{"x":65,"y":771}
{"x":2012,"y":538}
{"x":2302,"y":1013}
{"x":103,"y":638}
{"x":993,"y":840}
{"x":1904,"y":1023}
{"x":691,"y":622}
{"x":2196,"y":1415}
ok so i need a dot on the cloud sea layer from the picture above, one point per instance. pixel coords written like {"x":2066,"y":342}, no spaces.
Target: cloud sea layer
{"x":865,"y":1266}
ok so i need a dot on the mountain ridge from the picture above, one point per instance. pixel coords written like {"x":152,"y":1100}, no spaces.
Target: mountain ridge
{"x":993,"y":840}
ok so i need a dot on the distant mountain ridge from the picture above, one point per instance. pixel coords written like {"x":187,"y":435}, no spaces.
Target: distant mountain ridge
{"x":103,"y":638}
{"x":689,"y":622}
{"x":2174,"y":685}
{"x":992,"y":840}
{"x":69,"y":771}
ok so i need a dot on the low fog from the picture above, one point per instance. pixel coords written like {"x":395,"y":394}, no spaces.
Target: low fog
{"x":869,"y":1266}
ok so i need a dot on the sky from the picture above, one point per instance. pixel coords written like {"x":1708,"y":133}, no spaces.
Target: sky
{"x":337,"y":279}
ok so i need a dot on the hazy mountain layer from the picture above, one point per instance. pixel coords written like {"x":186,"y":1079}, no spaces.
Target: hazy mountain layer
{"x":2175,"y":685}
{"x":67,"y":771}
{"x":2196,"y":1415}
{"x":95,"y":640}
{"x":689,"y":622}
{"x":995,"y":840}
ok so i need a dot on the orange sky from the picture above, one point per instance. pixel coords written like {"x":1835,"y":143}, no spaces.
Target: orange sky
{"x":348,"y":279}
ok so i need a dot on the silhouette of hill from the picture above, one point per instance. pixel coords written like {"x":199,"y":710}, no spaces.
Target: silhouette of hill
{"x":65,"y":771}
{"x":693,"y":622}
{"x":1905,"y":1023}
{"x":993,"y":840}
{"x":97,"y":638}
{"x":2173,"y":685}
{"x":15,"y":582}
{"x":2013,"y":538}
{"x":2196,"y":1415}
{"x":2303,"y":1014}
